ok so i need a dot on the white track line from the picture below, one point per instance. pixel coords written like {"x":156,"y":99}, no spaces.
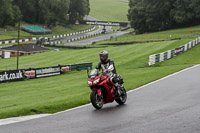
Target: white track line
{"x":20,"y":119}
{"x":136,"y":88}
{"x":164,"y":78}
{"x":26,"y":118}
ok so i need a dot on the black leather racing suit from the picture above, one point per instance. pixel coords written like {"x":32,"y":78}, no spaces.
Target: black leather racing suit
{"x":108,"y":65}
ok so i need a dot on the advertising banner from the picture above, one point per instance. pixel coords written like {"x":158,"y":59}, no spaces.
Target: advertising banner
{"x":106,"y":23}
{"x":65,"y":68}
{"x":45,"y":72}
{"x":17,"y":75}
{"x":30,"y":74}
{"x":179,"y":50}
{"x":9,"y":76}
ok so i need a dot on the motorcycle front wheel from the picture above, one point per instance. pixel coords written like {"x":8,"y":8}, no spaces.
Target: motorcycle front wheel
{"x":122,"y":98}
{"x":97,"y":101}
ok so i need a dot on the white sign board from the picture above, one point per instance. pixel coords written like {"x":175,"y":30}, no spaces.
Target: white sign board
{"x":7,"y":55}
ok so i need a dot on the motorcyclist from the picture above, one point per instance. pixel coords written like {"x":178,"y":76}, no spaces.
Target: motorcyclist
{"x":108,"y":66}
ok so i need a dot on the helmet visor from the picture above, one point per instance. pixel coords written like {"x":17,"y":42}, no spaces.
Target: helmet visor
{"x":102,"y":57}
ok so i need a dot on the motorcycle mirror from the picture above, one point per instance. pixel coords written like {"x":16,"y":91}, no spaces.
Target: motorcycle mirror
{"x":88,"y":71}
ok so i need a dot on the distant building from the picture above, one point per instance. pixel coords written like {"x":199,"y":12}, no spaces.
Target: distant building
{"x":24,"y":49}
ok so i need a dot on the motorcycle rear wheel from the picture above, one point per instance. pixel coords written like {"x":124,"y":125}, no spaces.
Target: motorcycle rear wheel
{"x":122,"y":98}
{"x":97,"y":101}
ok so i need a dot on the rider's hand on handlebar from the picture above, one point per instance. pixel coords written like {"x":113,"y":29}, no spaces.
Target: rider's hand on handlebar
{"x":106,"y":71}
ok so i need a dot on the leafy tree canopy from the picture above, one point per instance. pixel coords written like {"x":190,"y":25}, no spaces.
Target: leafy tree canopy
{"x":48,"y":12}
{"x":156,"y":15}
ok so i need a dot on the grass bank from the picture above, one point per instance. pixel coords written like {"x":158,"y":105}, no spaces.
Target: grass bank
{"x":58,"y":30}
{"x":57,"y":93}
{"x":105,"y":10}
{"x":155,"y":36}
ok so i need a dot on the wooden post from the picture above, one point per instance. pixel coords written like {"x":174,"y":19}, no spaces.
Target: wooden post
{"x":18,"y":46}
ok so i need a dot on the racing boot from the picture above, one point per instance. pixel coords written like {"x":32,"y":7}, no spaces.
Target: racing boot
{"x":117,"y":91}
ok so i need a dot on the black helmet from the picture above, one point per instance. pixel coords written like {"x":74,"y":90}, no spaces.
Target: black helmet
{"x":103,"y":56}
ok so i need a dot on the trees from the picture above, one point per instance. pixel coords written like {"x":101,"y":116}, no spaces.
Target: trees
{"x":17,"y":16}
{"x":136,"y":15}
{"x":9,"y":13}
{"x":53,"y":11}
{"x":48,"y":12}
{"x":156,"y":15}
{"x":186,"y":11}
{"x":78,"y":9}
{"x":182,"y":12}
{"x":28,"y":9}
{"x":150,"y":15}
{"x":5,"y":12}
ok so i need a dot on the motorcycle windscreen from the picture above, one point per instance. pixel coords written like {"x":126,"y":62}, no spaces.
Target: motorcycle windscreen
{"x":94,"y":73}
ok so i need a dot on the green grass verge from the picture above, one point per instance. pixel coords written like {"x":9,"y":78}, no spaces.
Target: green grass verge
{"x":163,"y":35}
{"x":57,"y":93}
{"x":58,"y":30}
{"x":109,"y":10}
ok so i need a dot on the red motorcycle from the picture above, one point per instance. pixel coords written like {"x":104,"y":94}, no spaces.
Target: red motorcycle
{"x":103,"y":89}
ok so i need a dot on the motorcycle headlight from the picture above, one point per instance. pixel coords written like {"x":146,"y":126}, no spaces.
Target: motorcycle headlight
{"x":89,"y":83}
{"x":96,"y":81}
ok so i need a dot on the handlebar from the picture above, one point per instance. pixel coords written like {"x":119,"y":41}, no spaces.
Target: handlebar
{"x":107,"y":71}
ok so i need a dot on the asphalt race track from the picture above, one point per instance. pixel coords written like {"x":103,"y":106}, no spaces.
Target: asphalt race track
{"x":169,"y":105}
{"x":91,"y":40}
{"x":97,"y":39}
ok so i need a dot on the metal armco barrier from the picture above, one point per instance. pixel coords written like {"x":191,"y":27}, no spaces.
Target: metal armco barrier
{"x":15,"y":41}
{"x":156,"y":58}
{"x":82,"y":66}
{"x":53,"y":43}
{"x":82,"y":37}
{"x":57,"y":36}
{"x":18,"y":75}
